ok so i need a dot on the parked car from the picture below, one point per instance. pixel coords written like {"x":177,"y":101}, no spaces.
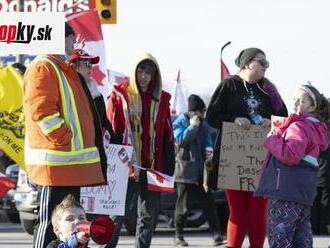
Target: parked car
{"x":195,"y":217}
{"x":27,"y":199}
{"x":7,"y":203}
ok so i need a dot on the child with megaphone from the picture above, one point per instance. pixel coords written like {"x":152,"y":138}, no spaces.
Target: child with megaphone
{"x":73,"y":230}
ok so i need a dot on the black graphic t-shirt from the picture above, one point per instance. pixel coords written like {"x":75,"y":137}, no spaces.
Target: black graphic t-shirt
{"x":236,"y":98}
{"x":253,"y":102}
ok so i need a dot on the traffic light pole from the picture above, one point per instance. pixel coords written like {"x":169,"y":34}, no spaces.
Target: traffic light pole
{"x":19,"y":57}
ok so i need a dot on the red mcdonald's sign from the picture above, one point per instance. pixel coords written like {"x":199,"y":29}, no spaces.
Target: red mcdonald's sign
{"x":69,"y":6}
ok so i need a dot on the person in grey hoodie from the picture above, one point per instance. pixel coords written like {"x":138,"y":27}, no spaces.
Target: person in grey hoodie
{"x":194,"y":144}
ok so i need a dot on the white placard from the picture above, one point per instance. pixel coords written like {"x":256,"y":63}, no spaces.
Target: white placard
{"x":32,"y":33}
{"x":110,"y":199}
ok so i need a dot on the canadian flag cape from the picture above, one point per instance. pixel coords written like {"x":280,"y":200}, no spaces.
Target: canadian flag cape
{"x":159,"y":182}
{"x":89,"y":37}
{"x":5,"y":185}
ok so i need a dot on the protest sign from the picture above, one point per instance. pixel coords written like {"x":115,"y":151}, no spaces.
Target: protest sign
{"x":241,"y":156}
{"x":110,"y":199}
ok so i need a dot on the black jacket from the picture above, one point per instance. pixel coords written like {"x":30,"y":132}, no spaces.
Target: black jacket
{"x":100,"y":107}
{"x":324,"y":170}
{"x":98,"y":127}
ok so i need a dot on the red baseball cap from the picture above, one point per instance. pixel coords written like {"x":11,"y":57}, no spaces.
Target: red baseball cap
{"x":81,"y":54}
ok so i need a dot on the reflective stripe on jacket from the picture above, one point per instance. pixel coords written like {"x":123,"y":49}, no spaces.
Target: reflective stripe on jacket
{"x":60,"y":139}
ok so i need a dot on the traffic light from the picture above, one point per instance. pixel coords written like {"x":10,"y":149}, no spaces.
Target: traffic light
{"x":107,"y":11}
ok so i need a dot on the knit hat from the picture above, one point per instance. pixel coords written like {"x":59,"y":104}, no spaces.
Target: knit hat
{"x":68,"y":30}
{"x":246,"y":55}
{"x":195,"y":103}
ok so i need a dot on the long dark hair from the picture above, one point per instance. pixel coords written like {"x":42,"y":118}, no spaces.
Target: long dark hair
{"x":322,"y":110}
{"x":271,"y":90}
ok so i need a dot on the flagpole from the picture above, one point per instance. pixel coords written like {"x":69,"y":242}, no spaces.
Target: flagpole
{"x":20,"y":57}
{"x":221,"y":51}
{"x":223,"y":47}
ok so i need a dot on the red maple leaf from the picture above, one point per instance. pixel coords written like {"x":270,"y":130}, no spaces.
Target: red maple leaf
{"x":159,"y":178}
{"x":277,"y":123}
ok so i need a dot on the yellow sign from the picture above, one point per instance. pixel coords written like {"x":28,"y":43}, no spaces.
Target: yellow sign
{"x":12,"y":129}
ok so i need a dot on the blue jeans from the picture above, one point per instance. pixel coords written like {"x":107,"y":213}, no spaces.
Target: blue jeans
{"x":147,"y":210}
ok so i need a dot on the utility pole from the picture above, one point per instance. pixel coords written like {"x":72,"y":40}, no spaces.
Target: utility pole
{"x":20,"y":57}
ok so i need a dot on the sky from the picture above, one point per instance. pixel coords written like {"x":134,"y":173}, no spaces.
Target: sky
{"x":188,"y":35}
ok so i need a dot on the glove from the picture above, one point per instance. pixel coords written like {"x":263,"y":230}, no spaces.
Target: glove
{"x":194,"y":121}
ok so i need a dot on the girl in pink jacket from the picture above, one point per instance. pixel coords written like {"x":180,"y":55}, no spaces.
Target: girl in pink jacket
{"x":290,"y":170}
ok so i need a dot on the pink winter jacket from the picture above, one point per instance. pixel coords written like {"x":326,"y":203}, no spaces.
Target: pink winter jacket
{"x":297,"y":137}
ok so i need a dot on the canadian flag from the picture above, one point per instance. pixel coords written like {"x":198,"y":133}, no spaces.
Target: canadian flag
{"x":116,"y":77}
{"x":159,"y":182}
{"x":89,"y":37}
{"x":5,"y":185}
{"x":224,"y":70}
{"x":179,"y":104}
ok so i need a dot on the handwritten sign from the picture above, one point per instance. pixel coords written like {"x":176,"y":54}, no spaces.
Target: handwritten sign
{"x":110,"y":199}
{"x":241,"y":156}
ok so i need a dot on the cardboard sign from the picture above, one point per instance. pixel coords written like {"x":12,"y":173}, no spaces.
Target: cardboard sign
{"x":110,"y":199}
{"x":241,"y":156}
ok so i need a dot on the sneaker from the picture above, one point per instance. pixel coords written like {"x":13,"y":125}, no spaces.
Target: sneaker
{"x":179,"y":241}
{"x":218,"y":239}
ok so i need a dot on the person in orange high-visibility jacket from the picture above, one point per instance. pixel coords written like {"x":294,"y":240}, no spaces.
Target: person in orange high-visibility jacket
{"x":63,"y":144}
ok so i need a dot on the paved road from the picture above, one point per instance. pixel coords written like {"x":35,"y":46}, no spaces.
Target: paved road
{"x":12,"y":236}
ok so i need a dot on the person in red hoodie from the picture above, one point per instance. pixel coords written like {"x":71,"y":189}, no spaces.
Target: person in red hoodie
{"x":289,"y":174}
{"x":139,"y":110}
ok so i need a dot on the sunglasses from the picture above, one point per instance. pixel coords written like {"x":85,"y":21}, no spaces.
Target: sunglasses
{"x":262,"y":62}
{"x":87,"y":62}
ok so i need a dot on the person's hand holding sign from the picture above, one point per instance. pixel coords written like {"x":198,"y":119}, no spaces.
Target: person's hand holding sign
{"x":266,"y":123}
{"x":243,"y":122}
